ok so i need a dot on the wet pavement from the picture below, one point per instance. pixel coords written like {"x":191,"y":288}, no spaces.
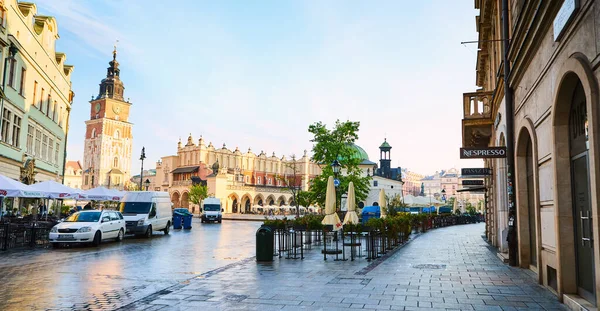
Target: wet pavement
{"x":116,"y":274}
{"x":445,"y":269}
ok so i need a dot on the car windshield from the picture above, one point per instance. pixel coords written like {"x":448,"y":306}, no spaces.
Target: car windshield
{"x":212,"y":207}
{"x":84,"y":217}
{"x":135,"y":207}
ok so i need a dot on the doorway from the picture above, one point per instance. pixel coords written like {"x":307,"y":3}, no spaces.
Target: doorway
{"x":580,"y":194}
{"x":529,"y":164}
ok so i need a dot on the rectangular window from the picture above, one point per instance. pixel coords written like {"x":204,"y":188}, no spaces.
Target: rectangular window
{"x":2,"y":17}
{"x":54,"y":112}
{"x":56,"y":153}
{"x":22,"y":84}
{"x":85,"y":181}
{"x":38,"y":142}
{"x":259,"y":179}
{"x":45,"y":147}
{"x":6,"y":118}
{"x":42,"y":101}
{"x":50,"y":150}
{"x":11,"y":74}
{"x":35,"y":86}
{"x":48,"y":103}
{"x":16,"y":132}
{"x":29,"y":146}
{"x":60,"y":117}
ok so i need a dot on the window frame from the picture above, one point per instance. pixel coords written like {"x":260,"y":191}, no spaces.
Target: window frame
{"x":22,"y":82}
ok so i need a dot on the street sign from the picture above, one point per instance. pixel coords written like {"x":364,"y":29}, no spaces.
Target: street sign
{"x":480,"y":171}
{"x":483,"y":153}
{"x":472,"y":182}
{"x":336,"y":182}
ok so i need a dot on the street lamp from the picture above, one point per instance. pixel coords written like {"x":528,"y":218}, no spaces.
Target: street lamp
{"x":444,"y":195}
{"x":336,"y":170}
{"x":142,"y":157}
{"x":147,"y":184}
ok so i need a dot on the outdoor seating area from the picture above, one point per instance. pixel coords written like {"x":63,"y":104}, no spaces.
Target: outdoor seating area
{"x":28,"y":212}
{"x":284,"y":210}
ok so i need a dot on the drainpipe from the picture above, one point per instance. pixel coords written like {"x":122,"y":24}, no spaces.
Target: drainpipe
{"x":71,"y":95}
{"x":510,"y":142}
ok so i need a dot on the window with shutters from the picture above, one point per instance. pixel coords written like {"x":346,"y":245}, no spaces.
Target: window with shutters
{"x":38,"y":142}
{"x":16,"y":132}
{"x":44,"y":147}
{"x":6,"y":119}
{"x":22,"y":83}
{"x":50,"y":150}
{"x":29,"y":146}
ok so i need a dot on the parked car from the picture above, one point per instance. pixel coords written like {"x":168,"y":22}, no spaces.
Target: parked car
{"x":89,"y":226}
{"x":147,"y":211}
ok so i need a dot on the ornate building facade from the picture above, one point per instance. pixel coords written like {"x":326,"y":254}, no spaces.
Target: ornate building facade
{"x":36,"y":95}
{"x":240,"y":180}
{"x":108,"y":136}
{"x":554,"y":54}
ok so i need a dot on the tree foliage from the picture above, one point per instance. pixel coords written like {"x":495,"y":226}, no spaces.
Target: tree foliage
{"x":336,"y":144}
{"x":198,"y":193}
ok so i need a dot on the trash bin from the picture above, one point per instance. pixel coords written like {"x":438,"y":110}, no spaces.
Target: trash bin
{"x":264,"y":244}
{"x":177,"y":219}
{"x":187,"y":221}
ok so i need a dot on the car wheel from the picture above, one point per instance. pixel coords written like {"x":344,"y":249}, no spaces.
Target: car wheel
{"x":219,"y":221}
{"x":97,"y":238}
{"x":120,"y":236}
{"x":149,"y":232}
{"x":167,"y":228}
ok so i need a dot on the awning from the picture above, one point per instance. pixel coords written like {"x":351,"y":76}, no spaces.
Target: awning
{"x":474,"y":189}
{"x":115,"y":171}
{"x":189,"y":169}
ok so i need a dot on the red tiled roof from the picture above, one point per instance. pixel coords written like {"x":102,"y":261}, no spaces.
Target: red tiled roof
{"x":75,"y":165}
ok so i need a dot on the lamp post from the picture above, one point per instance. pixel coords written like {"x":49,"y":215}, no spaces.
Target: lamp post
{"x":142,"y":157}
{"x":336,"y":170}
{"x":444,"y":195}
{"x":147,"y":184}
{"x":12,"y":52}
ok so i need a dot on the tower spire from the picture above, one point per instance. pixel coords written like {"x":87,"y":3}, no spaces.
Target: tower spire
{"x":112,"y":86}
{"x":115,"y":50}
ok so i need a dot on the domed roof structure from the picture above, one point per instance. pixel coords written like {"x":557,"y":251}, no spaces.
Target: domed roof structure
{"x":359,"y":153}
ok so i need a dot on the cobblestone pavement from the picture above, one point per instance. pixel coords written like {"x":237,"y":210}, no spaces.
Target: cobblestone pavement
{"x":116,"y":274}
{"x":444,"y":269}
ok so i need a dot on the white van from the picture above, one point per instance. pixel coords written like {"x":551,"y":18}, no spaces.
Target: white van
{"x":211,"y":210}
{"x":146,"y":211}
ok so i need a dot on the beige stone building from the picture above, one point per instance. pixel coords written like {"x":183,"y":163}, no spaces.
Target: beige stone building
{"x":555,"y":58}
{"x":240,"y":180}
{"x":412,"y":182}
{"x":73,"y":173}
{"x":36,"y":95}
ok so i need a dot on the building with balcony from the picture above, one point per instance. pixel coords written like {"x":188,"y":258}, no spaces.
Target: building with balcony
{"x":36,"y":95}
{"x":73,"y":173}
{"x":554,"y":54}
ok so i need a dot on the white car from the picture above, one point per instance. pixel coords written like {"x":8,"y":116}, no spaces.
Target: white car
{"x":89,"y":227}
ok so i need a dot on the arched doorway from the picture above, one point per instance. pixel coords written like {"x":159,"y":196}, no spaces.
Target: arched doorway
{"x":575,"y":155}
{"x":175,"y":199}
{"x":580,"y":196}
{"x":259,"y":200}
{"x":185,"y":200}
{"x":234,"y":205}
{"x":281,"y":201}
{"x":270,"y":200}
{"x":527,"y":200}
{"x":246,"y":204}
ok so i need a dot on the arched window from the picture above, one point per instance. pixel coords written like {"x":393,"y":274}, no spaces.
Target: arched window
{"x":94,"y":133}
{"x":116,"y":162}
{"x":117,"y":134}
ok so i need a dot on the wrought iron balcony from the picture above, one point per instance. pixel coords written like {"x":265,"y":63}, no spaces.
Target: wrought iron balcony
{"x":477,"y":123}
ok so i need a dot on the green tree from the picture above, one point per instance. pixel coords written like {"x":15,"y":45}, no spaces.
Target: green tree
{"x":306,"y":198}
{"x":336,"y":144}
{"x":198,"y":193}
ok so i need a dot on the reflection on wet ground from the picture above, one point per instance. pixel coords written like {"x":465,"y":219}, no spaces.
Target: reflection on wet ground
{"x":114,"y":274}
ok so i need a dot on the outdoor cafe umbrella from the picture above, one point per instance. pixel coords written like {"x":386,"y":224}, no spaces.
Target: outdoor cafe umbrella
{"x":101,"y":194}
{"x":53,"y":190}
{"x":382,"y":204}
{"x":351,"y":217}
{"x":11,"y":188}
{"x":331,"y":217}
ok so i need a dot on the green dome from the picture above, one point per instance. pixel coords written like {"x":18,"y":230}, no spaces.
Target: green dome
{"x":359,"y":153}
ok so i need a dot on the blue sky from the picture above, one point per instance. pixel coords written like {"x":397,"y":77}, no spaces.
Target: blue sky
{"x":257,"y":73}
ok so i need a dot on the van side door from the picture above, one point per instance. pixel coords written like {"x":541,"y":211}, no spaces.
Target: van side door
{"x":152,"y":216}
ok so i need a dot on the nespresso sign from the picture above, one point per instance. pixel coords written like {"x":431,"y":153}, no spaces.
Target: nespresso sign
{"x":478,"y":171}
{"x":483,"y":153}
{"x":472,"y":182}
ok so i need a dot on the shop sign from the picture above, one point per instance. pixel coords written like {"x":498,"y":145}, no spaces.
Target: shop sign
{"x":483,"y":153}
{"x":472,"y":182}
{"x":478,"y":171}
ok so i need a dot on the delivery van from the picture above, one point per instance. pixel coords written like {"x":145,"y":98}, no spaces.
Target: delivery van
{"x":211,"y":210}
{"x":146,"y":211}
